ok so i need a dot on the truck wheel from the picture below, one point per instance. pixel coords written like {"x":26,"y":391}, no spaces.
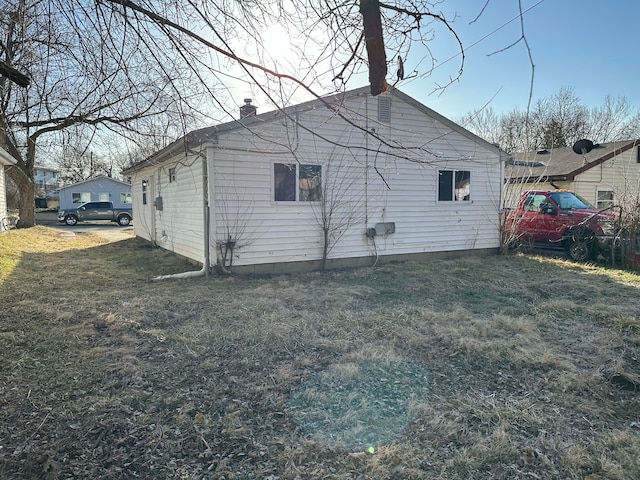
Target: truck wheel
{"x":124,"y":220}
{"x":581,"y":246}
{"x":71,"y":220}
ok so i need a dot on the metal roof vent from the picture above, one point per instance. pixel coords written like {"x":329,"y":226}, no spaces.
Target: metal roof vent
{"x":247,"y":110}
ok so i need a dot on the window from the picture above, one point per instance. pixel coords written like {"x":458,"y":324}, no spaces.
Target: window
{"x":384,"y":109}
{"x":104,"y":197}
{"x":144,"y":192}
{"x":294,"y":182}
{"x":172,"y":175}
{"x":454,"y":185}
{"x":77,"y":197}
{"x":533,"y":202}
{"x":569,"y":201}
{"x":125,"y":197}
{"x":605,"y":198}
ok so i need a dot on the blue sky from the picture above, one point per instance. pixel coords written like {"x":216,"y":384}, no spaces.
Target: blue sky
{"x":590,"y":46}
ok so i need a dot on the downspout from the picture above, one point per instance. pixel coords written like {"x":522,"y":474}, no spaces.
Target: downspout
{"x":207,"y":234}
{"x":206,"y":215}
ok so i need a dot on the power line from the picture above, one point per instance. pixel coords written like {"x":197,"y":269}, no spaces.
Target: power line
{"x":490,"y":33}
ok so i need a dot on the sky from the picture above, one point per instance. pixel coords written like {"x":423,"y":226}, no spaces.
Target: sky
{"x":587,"y":45}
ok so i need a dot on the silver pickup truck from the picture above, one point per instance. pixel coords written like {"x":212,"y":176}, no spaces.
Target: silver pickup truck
{"x":92,"y":211}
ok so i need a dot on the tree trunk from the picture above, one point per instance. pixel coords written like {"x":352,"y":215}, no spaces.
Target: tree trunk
{"x":372,"y":21}
{"x":325,"y":248}
{"x":27,"y":197}
{"x":22,"y":173}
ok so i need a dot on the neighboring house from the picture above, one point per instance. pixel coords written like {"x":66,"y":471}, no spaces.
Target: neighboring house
{"x":98,"y":189}
{"x":46,"y":181}
{"x":5,"y":160}
{"x":608,"y":174}
{"x":290,"y":190}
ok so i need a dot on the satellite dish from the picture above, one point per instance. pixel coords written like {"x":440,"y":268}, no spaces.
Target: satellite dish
{"x":582,"y":147}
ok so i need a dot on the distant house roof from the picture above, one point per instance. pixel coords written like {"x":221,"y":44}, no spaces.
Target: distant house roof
{"x":5,"y":158}
{"x":94,"y":179}
{"x":210,"y":134}
{"x":561,"y":164}
{"x":45,"y":168}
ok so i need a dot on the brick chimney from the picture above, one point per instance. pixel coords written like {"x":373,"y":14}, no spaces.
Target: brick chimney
{"x":247,"y":110}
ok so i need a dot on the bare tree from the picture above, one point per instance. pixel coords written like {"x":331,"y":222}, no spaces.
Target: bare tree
{"x":117,"y":66}
{"x":86,"y":67}
{"x":78,"y":166}
{"x":340,"y":203}
{"x":557,"y":121}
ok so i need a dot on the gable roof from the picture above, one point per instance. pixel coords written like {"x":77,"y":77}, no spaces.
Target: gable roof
{"x":209,"y":134}
{"x":562,"y":164}
{"x":101,"y":178}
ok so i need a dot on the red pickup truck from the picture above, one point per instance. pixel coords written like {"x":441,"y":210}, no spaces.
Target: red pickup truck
{"x":561,"y":219}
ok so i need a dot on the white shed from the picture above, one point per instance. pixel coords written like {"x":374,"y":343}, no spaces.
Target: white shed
{"x":97,"y":189}
{"x":344,"y":180}
{"x":5,"y":160}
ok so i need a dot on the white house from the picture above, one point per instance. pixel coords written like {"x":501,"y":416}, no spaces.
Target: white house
{"x":46,"y":179}
{"x":349,"y":179}
{"x":5,"y":160}
{"x":97,"y":189}
{"x":607,"y":174}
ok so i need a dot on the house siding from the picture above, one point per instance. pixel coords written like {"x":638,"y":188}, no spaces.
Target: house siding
{"x":5,"y":159}
{"x":370,"y":188}
{"x":621,"y":174}
{"x":3,"y":196}
{"x":178,"y":225}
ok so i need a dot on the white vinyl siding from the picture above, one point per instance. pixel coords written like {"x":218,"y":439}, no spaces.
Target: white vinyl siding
{"x":621,"y":175}
{"x":370,"y":188}
{"x":389,"y":175}
{"x":3,"y":195}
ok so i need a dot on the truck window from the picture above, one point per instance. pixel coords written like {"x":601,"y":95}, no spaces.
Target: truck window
{"x":533,"y":201}
{"x":569,"y":201}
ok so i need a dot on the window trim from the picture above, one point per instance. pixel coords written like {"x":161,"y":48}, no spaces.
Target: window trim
{"x":610,"y":203}
{"x":82,"y":199}
{"x":296,"y":183}
{"x":452,"y":187}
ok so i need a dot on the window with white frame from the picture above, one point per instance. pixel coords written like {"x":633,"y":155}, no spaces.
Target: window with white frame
{"x":294,"y":182}
{"x":604,"y":198}
{"x":104,"y":197}
{"x":454,"y":185}
{"x":125,"y":197}
{"x":80,"y":197}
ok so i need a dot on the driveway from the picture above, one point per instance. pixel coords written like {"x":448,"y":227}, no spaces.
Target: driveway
{"x":111,"y":232}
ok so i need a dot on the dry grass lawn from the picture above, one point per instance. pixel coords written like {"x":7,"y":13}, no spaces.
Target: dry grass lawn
{"x":519,"y":367}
